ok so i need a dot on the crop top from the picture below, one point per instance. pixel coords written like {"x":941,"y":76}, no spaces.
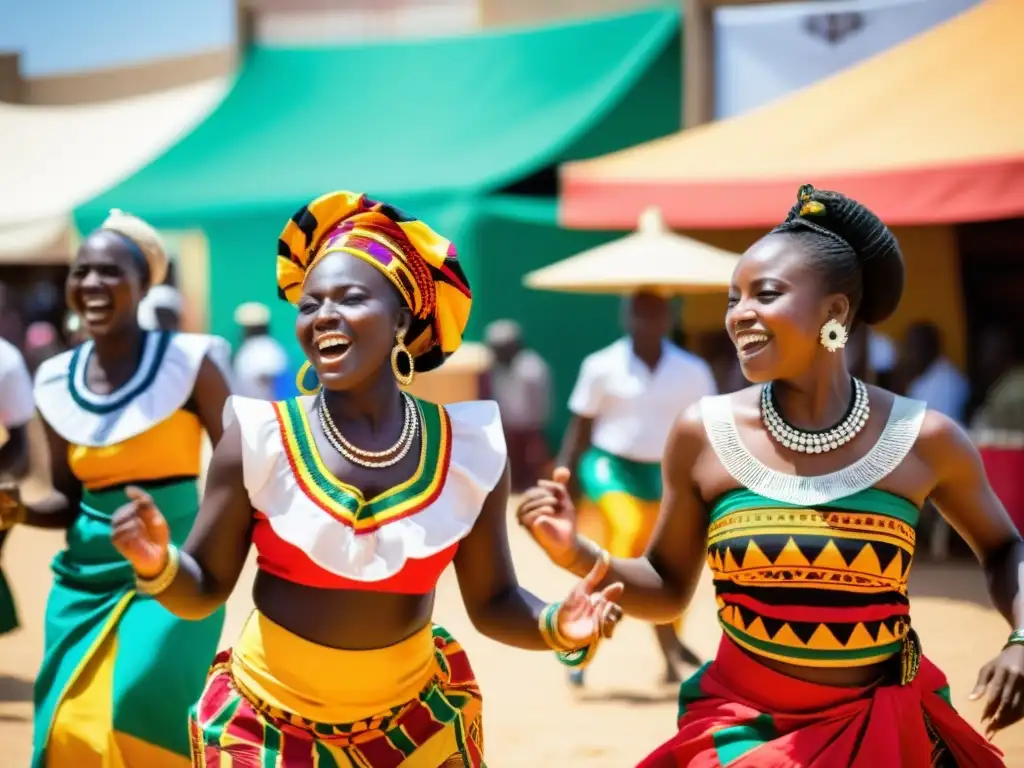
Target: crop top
{"x":313,"y":529}
{"x":813,"y":571}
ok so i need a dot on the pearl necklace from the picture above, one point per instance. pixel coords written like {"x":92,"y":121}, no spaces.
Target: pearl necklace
{"x":816,"y":442}
{"x":373,"y":459}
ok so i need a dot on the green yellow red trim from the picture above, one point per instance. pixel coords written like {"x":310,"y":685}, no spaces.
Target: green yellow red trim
{"x":345,"y":502}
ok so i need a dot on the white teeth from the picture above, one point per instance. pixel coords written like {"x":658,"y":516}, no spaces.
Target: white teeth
{"x":332,"y":341}
{"x":751,"y":339}
{"x":97,"y":303}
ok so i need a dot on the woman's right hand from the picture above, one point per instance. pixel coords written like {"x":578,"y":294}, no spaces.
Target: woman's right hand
{"x":547,"y":512}
{"x":141,"y":535}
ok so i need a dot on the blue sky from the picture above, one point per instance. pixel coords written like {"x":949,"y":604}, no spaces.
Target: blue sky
{"x":56,"y":36}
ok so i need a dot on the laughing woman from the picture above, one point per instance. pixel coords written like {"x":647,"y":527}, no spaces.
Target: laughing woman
{"x":356,"y":499}
{"x":119,"y":671}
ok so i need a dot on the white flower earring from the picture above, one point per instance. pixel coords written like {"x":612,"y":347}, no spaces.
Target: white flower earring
{"x":833,"y":335}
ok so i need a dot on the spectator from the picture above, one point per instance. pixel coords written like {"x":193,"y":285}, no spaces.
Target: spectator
{"x":261,"y":361}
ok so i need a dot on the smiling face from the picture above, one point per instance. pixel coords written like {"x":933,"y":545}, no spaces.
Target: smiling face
{"x":777,"y":305}
{"x":349,"y":316}
{"x":105,"y":284}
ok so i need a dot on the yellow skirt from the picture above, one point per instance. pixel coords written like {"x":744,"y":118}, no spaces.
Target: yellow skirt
{"x":278,"y":699}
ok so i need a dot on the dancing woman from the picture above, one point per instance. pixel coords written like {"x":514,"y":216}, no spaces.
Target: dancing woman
{"x":119,"y":672}
{"x":801,"y":493}
{"x":357,"y":499}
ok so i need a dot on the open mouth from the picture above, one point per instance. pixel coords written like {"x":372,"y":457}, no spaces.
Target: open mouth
{"x":97,"y":309}
{"x":750,"y":344}
{"x":333,"y":346}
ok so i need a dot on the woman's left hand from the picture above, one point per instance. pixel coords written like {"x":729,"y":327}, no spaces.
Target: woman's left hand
{"x":586,"y":615}
{"x":1003,"y":680}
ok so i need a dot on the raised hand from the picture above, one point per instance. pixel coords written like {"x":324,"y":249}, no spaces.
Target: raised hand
{"x":587,"y":615}
{"x":140,"y":534}
{"x":547,"y":512}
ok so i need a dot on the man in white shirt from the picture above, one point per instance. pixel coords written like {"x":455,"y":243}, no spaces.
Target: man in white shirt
{"x":17,"y":406}
{"x":626,"y":399}
{"x":520,"y":382}
{"x":260,"y":360}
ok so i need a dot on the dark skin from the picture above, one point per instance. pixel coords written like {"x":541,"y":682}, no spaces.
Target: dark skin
{"x":647,"y":319}
{"x":344,"y":295}
{"x":104,"y":287}
{"x":777,"y":291}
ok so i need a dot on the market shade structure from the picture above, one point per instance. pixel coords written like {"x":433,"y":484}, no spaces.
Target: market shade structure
{"x":53,"y":158}
{"x":447,"y":129}
{"x":410,"y":122}
{"x":651,"y":258}
{"x":929,"y":132}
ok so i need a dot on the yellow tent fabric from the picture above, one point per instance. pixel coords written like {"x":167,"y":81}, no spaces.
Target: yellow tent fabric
{"x":929,"y":132}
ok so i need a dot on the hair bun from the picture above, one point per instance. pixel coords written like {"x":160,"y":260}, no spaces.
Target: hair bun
{"x":876,"y":247}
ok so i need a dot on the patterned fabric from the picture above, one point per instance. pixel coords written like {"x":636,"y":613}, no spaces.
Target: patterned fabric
{"x":738,"y":713}
{"x":232,"y":729}
{"x":421,"y":264}
{"x":345,"y":502}
{"x":815,"y":587}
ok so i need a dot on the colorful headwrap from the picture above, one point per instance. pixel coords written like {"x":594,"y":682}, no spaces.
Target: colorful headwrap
{"x":421,"y":264}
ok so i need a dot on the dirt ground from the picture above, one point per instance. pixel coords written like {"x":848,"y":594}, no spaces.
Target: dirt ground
{"x":533,"y":718}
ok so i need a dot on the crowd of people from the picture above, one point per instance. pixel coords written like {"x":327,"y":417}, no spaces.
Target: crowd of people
{"x":801,"y":493}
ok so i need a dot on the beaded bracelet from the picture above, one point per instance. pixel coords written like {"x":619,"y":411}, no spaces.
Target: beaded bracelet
{"x":1016,"y":638}
{"x":162,"y":580}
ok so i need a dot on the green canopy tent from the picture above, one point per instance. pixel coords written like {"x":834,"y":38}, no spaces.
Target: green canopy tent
{"x":438,"y":127}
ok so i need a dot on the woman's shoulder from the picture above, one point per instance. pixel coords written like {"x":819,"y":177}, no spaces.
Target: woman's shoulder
{"x":478,"y":447}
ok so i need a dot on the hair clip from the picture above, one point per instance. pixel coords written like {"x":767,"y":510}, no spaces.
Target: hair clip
{"x":812,"y":208}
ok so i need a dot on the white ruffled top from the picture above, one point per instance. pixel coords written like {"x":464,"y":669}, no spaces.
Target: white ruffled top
{"x":161,"y":385}
{"x":477,"y":462}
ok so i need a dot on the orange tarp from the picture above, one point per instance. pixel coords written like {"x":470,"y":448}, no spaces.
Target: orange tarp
{"x":929,"y":132}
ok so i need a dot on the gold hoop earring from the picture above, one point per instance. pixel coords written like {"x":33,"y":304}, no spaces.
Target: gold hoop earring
{"x":405,"y":379}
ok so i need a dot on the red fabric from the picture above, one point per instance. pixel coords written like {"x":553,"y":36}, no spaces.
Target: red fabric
{"x":819,"y":726}
{"x":981,"y":190}
{"x":1005,"y":470}
{"x":288,"y":562}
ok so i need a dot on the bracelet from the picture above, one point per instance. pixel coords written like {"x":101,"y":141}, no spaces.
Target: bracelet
{"x":579,"y":658}
{"x":589,"y":547}
{"x":162,"y":580}
{"x":1016,"y":638}
{"x":547,"y":622}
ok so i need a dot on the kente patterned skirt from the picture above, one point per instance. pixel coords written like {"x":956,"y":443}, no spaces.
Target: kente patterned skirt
{"x":279,"y":700}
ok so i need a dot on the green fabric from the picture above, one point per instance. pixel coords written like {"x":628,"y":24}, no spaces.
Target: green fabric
{"x":407,"y":122}
{"x":734,"y":742}
{"x":602,"y":472}
{"x":870,"y":500}
{"x":690,"y":691}
{"x":161,"y":661}
{"x":8,"y":610}
{"x":845,"y":655}
{"x":455,"y":131}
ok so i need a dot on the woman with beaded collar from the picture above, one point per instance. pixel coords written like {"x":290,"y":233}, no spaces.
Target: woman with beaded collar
{"x":801,"y":493}
{"x":340,"y":664}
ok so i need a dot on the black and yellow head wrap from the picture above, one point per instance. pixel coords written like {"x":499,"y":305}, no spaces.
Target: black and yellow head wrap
{"x":422,"y":265}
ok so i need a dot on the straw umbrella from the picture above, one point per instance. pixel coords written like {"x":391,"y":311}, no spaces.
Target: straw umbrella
{"x":652,"y":258}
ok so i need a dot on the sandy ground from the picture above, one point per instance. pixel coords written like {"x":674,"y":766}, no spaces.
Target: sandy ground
{"x":533,"y":718}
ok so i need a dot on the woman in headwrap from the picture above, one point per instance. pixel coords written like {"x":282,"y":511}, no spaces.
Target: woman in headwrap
{"x":802,"y":494}
{"x":126,"y":407}
{"x":356,"y":498}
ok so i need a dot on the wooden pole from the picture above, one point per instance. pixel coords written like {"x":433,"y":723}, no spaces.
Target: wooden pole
{"x":698,"y":62}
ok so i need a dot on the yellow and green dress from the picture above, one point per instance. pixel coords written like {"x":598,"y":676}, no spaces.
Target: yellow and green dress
{"x":119,"y":671}
{"x":277,"y":699}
